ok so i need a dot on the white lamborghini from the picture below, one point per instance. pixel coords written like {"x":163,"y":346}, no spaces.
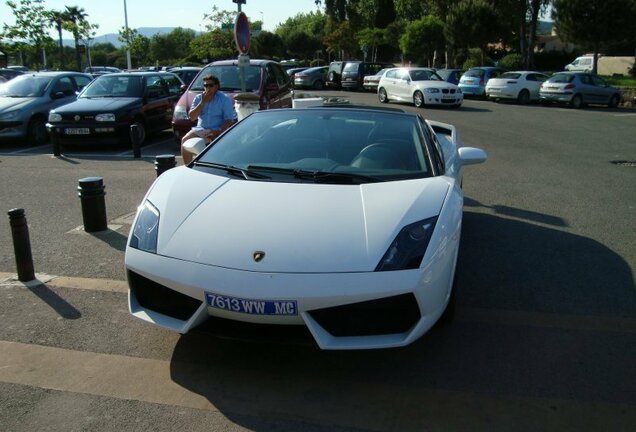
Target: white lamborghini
{"x":346,"y":220}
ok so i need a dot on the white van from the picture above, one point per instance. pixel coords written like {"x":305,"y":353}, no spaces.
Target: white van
{"x":581,"y":64}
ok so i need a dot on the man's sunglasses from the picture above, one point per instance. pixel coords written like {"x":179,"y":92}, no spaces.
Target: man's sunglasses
{"x":209,"y":85}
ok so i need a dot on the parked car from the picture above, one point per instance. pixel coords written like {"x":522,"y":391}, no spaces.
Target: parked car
{"x":26,"y":100}
{"x":19,"y":68}
{"x":292,"y":72}
{"x":353,"y":73}
{"x":522,"y":86}
{"x":419,"y":86}
{"x":108,"y":106}
{"x":370,"y":82}
{"x":96,"y":71}
{"x":264,"y":78}
{"x":313,"y":78}
{"x":581,"y":64}
{"x":450,"y":75}
{"x":578,"y":89}
{"x":186,"y":73}
{"x":473,"y":81}
{"x":9,"y":74}
{"x":334,"y":74}
{"x":346,"y":221}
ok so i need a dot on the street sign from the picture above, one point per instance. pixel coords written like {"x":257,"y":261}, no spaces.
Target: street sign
{"x":242,"y":33}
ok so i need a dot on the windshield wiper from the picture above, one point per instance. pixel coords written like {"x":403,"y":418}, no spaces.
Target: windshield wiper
{"x":320,"y":176}
{"x":236,"y":171}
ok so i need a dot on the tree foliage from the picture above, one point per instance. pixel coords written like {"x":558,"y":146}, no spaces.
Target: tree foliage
{"x":422,"y":38}
{"x":31,"y":22}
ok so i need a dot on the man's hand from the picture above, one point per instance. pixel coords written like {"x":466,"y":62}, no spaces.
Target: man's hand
{"x":207,"y":95}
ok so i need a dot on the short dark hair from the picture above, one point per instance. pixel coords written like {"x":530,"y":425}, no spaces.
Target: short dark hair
{"x":214,"y":79}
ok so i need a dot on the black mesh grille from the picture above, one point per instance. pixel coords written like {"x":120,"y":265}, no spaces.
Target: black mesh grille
{"x":375,"y":317}
{"x":161,"y":299}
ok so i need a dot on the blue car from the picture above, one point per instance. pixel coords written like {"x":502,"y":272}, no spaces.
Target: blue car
{"x":473,"y":81}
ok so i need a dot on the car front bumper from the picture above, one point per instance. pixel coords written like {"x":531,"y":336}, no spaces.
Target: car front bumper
{"x":342,"y":311}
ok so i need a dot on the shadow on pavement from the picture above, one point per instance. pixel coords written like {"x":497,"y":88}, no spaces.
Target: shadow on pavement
{"x":504,"y":265}
{"x":112,"y":238}
{"x":57,"y":303}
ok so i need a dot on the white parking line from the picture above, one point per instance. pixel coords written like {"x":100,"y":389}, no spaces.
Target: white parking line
{"x":28,"y":149}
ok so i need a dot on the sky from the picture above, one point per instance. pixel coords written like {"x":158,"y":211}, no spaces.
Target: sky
{"x":109,"y":14}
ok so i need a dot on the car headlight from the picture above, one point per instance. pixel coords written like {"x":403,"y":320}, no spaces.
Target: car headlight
{"x":431,"y":90}
{"x":105,"y":117}
{"x":11,"y":115}
{"x":146,"y":230}
{"x":408,"y":248}
{"x":54,"y":117}
{"x":180,"y":113}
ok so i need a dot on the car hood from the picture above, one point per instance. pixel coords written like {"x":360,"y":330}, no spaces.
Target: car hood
{"x":301,"y":227}
{"x":13,"y":103}
{"x":98,"y":104}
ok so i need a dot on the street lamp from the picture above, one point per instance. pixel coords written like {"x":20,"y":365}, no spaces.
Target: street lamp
{"x":128,"y":60}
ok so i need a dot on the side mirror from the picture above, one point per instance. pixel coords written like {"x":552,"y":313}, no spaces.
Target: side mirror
{"x":194,"y":145}
{"x":471,"y":155}
{"x":183,"y":88}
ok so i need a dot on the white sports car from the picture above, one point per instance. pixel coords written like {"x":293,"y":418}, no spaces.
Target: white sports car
{"x":522,"y":86}
{"x":345,"y":220}
{"x":419,"y":86}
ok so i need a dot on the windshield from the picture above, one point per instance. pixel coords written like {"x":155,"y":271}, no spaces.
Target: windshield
{"x":339,"y":144}
{"x":114,"y":86}
{"x":25,"y":86}
{"x":424,"y":75}
{"x":230,"y":78}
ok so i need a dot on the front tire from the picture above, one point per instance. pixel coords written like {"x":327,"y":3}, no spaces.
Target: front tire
{"x":613,"y":103}
{"x":141,"y":128}
{"x":418,"y":99}
{"x":318,"y":85}
{"x":382,"y":96}
{"x":36,"y":131}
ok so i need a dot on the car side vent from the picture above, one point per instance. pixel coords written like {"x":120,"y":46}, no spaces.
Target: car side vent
{"x":389,"y":315}
{"x":158,"y":298}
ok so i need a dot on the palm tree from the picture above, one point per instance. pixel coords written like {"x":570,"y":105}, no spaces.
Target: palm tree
{"x":57,"y":19}
{"x":76,"y":16}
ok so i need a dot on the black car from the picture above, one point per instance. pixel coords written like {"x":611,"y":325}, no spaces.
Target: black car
{"x":334,"y":73}
{"x":353,"y":73}
{"x":186,"y":73}
{"x":108,"y":106}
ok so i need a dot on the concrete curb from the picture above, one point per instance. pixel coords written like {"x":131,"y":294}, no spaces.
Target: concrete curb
{"x":11,"y":279}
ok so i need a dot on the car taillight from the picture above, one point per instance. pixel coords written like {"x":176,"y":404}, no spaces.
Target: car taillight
{"x":569,"y":87}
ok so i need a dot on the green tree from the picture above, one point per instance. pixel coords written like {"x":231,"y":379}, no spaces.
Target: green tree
{"x":422,"y":39}
{"x":171,"y":47}
{"x":138,"y":45}
{"x":57,"y":19}
{"x":267,"y":45}
{"x":371,"y":38}
{"x":220,"y":18}
{"x":31,"y":22}
{"x":593,"y":24}
{"x":472,"y":23}
{"x":214,"y":45}
{"x":341,"y":40}
{"x":76,"y":24}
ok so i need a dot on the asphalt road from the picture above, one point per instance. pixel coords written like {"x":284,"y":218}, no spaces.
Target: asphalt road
{"x":545,"y":336}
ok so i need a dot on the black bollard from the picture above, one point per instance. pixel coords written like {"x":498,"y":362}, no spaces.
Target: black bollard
{"x":55,"y":141}
{"x":21,"y":245}
{"x":91,"y":193}
{"x":164,"y":163}
{"x":134,"y":140}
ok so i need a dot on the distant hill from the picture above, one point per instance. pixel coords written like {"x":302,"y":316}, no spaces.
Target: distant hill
{"x":113,"y":38}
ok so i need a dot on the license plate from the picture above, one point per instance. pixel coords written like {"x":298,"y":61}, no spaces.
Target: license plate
{"x":252,"y":306}
{"x":469,"y":81}
{"x":77,"y":131}
{"x":348,"y":79}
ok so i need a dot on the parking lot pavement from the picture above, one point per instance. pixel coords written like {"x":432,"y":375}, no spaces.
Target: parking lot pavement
{"x":72,"y":357}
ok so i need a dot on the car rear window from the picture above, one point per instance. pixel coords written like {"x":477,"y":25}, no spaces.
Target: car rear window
{"x":562,"y":78}
{"x":479,"y":73}
{"x":351,"y":67}
{"x":511,"y":75}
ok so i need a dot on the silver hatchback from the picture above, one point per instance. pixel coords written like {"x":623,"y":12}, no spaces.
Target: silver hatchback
{"x":578,"y":89}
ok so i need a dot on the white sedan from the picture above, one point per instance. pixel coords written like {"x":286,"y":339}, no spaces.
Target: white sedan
{"x":419,"y":86}
{"x":344,"y":220}
{"x":521,"y":86}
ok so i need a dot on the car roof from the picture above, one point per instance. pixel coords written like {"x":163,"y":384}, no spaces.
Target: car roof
{"x":56,"y":73}
{"x":234,"y":62}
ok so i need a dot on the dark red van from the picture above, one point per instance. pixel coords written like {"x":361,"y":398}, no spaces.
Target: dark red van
{"x":265,"y":78}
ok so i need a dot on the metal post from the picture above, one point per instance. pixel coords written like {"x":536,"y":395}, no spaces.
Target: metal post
{"x":91,"y":193}
{"x":55,"y":141}
{"x":134,"y":140}
{"x":164,"y":162}
{"x":21,"y":245}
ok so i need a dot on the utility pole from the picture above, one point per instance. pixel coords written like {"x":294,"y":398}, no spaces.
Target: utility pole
{"x":128,"y":60}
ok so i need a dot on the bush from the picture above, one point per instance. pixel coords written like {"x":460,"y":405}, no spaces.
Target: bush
{"x":511,"y":62}
{"x":474,"y":57}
